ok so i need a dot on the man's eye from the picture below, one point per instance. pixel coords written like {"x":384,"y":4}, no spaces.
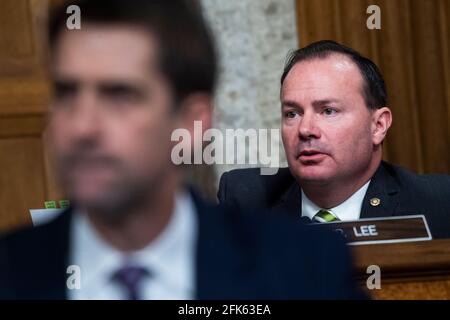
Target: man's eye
{"x":290,"y":114}
{"x":329,"y":111}
{"x":64,"y":90}
{"x":121,"y":95}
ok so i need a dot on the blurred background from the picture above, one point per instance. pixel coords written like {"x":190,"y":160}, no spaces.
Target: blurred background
{"x":253,"y":38}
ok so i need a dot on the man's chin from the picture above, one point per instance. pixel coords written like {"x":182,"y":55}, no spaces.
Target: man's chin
{"x":314,"y":175}
{"x":93,"y":199}
{"x":108,"y":202}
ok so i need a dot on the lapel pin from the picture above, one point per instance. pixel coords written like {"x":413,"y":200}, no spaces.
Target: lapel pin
{"x":375,"y":202}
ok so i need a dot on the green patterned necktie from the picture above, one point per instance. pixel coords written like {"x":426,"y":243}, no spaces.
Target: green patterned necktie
{"x":325,"y":216}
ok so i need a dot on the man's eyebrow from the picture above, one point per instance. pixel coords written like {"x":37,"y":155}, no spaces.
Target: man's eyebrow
{"x":322,"y":102}
{"x":315,"y":103}
{"x":62,"y":86}
{"x":120,"y":86}
{"x":290,"y":103}
{"x":65,"y":81}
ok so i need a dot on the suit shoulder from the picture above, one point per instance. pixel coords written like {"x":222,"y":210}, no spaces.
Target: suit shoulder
{"x":26,"y":235}
{"x":29,"y":238}
{"x":439,"y":183}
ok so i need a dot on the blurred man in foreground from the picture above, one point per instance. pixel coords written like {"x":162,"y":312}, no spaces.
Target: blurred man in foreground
{"x":333,"y":124}
{"x":136,"y":71}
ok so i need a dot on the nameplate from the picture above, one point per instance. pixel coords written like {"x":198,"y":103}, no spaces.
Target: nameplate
{"x":41,"y":216}
{"x":381,"y":230}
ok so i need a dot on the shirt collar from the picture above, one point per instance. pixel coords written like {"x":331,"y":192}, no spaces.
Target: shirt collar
{"x":348,"y":210}
{"x":169,"y":257}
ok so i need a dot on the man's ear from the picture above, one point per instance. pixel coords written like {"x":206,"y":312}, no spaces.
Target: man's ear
{"x":381,"y":122}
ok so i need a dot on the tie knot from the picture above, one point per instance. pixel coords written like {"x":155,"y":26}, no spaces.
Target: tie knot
{"x":325,"y":216}
{"x":129,"y":278}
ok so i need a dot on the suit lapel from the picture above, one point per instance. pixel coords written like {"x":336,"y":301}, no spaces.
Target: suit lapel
{"x":291,"y":201}
{"x":58,"y":259}
{"x":381,"y":199}
{"x":42,"y":269}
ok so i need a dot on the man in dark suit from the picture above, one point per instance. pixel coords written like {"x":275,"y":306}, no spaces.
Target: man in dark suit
{"x":237,"y":257}
{"x":136,"y":71}
{"x":334,"y":121}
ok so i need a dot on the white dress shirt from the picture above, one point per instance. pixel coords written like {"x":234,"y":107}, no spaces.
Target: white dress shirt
{"x":170,"y":259}
{"x":348,"y":210}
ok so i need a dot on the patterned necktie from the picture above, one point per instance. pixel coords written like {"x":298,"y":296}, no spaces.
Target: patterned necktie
{"x":129,"y":277}
{"x":325,"y":216}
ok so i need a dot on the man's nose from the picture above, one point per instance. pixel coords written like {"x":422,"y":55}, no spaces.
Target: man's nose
{"x":307,"y":128}
{"x":85,"y":119}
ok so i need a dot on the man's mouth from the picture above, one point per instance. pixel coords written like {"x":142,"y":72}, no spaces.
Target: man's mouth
{"x":311,"y":155}
{"x":95,"y":166}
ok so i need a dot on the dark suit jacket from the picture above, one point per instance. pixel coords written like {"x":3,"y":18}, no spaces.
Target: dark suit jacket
{"x":401,"y":192}
{"x":239,"y":256}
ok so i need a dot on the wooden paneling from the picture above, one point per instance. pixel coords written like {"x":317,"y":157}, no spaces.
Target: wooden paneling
{"x":24,"y":97}
{"x":18,"y":47}
{"x":22,"y":180}
{"x":16,"y":126}
{"x":418,"y":290}
{"x":412,"y":50}
{"x":23,"y":82}
{"x":403,"y":274}
{"x":429,"y":61}
{"x":403,"y":144}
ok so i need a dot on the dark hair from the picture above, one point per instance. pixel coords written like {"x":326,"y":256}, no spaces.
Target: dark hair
{"x":186,"y":54}
{"x":374,"y":89}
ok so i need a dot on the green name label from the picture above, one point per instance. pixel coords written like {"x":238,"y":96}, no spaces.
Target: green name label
{"x":50,"y":204}
{"x":64,"y":204}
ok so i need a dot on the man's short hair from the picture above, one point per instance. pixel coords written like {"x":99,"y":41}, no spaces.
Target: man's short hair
{"x":186,"y":54}
{"x":374,"y":88}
